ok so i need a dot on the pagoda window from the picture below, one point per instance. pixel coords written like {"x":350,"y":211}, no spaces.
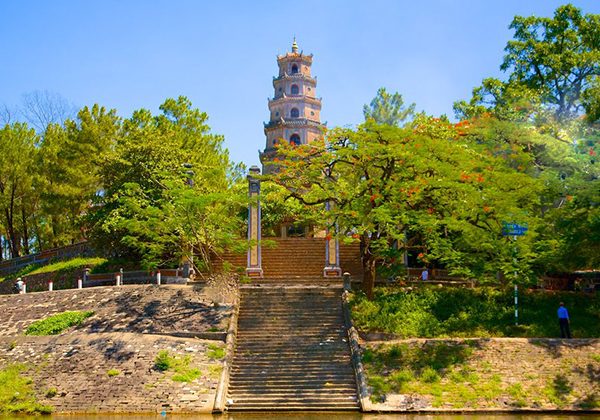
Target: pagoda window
{"x":295,"y":90}
{"x":294,"y":68}
{"x":294,"y":113}
{"x":295,"y":139}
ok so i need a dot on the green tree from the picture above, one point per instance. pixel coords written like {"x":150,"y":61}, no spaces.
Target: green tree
{"x":533,"y":120}
{"x":558,"y":57}
{"x":69,"y":165}
{"x":386,"y":183}
{"x":388,"y":108}
{"x":165,"y":187}
{"x":17,"y":143}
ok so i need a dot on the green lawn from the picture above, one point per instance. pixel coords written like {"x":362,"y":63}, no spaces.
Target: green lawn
{"x":482,"y":312}
{"x":57,"y":267}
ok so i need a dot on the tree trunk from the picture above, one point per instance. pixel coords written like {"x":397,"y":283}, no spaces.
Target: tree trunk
{"x":369,"y":270}
{"x":369,"y":267}
{"x":25,"y":231}
{"x":13,"y":241}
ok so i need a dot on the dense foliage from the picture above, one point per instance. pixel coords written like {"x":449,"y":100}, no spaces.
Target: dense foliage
{"x":151,"y":188}
{"x":424,"y":185}
{"x":481,"y":312}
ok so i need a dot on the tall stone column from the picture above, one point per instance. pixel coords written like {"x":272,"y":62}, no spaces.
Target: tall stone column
{"x":254,"y":267}
{"x":332,"y":251}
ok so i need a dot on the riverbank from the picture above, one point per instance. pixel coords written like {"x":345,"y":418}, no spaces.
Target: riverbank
{"x":109,"y":364}
{"x":492,"y":374}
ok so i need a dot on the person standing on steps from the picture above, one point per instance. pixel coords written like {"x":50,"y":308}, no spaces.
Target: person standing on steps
{"x":425,"y":274}
{"x":563,"y":321}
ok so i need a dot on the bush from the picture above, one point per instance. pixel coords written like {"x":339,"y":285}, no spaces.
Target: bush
{"x":483,"y":312}
{"x":163,"y":361}
{"x":58,"y":323}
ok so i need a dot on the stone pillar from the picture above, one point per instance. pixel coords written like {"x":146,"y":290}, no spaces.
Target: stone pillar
{"x":332,"y":251}
{"x":254,"y":266}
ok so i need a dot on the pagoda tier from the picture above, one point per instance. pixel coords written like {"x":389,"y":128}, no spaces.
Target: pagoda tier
{"x":295,"y":111}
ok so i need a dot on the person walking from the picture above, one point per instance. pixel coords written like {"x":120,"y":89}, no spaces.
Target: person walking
{"x":563,"y":321}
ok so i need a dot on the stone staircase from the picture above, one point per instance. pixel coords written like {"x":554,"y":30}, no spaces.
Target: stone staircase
{"x":291,"y":351}
{"x":292,"y":259}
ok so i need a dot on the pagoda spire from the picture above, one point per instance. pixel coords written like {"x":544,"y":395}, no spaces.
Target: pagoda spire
{"x":295,"y":46}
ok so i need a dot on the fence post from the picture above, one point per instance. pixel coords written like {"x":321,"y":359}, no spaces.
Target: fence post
{"x":24,"y":287}
{"x":118,"y":279}
{"x":158,"y":277}
{"x":50,"y":285}
{"x":79,"y":283}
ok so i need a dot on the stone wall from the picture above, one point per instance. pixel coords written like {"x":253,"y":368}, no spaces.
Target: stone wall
{"x":39,"y":282}
{"x":76,"y":367}
{"x":43,"y":258}
{"x":130,"y":325}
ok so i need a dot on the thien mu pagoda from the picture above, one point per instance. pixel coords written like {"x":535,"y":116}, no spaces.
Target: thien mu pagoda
{"x":295,"y":111}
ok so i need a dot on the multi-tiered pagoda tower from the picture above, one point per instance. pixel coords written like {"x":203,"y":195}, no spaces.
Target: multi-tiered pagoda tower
{"x":295,"y":109}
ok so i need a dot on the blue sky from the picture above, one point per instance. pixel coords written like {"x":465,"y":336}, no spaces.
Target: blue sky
{"x":131,"y":54}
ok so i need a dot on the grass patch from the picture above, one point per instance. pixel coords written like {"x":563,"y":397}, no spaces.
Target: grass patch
{"x":16,"y":392}
{"x":58,"y":323}
{"x":482,"y":312}
{"x":215,"y":352}
{"x":596,"y":357}
{"x":68,"y":265}
{"x":113,"y":372}
{"x":440,"y":371}
{"x":51,"y":392}
{"x":558,"y":391}
{"x":518,"y":395}
{"x":180,"y":366}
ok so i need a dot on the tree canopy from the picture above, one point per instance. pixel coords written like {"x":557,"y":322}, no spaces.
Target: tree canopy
{"x":421,"y":187}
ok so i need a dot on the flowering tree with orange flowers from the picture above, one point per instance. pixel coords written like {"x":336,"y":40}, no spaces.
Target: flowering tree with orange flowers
{"x":422,"y":185}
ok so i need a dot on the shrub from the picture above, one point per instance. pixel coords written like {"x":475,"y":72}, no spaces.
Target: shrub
{"x":164,"y":361}
{"x":58,"y":323}
{"x":113,"y":372}
{"x":483,"y":312}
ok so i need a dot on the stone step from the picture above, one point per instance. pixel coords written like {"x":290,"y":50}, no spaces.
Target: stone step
{"x":294,"y":389}
{"x":291,"y":350}
{"x":281,"y":405}
{"x":308,"y":363}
